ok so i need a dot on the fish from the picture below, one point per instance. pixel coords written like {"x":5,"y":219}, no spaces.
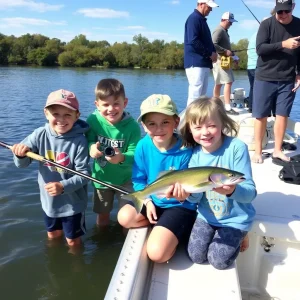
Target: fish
{"x":193,"y":180}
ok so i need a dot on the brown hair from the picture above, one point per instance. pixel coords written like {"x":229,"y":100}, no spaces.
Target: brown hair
{"x":109,"y":87}
{"x":202,"y":109}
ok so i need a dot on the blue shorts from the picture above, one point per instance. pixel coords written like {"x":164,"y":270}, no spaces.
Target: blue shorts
{"x":72,"y":226}
{"x":275,"y":96}
{"x":179,"y":220}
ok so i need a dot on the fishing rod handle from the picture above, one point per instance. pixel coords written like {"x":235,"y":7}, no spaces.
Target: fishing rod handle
{"x":28,"y":154}
{"x":34,"y":156}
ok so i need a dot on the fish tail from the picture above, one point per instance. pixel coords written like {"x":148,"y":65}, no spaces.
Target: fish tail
{"x":137,"y":200}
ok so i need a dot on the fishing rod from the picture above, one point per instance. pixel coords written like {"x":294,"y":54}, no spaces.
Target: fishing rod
{"x":240,"y":50}
{"x":250,"y":12}
{"x":45,"y":160}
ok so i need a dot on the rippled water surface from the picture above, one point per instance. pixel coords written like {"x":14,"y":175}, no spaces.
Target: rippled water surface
{"x":30,"y":266}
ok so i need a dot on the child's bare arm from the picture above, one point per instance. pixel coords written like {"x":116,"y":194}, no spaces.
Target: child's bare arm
{"x":20,"y":149}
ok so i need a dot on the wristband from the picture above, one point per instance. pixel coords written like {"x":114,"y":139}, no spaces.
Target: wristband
{"x":147,"y":201}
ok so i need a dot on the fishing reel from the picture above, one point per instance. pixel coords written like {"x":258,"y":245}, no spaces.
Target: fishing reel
{"x":109,"y":151}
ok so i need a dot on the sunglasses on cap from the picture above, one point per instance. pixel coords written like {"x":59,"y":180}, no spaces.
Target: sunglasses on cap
{"x":287,"y":11}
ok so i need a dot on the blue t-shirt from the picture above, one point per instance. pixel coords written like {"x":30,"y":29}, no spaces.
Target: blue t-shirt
{"x":149,"y":161}
{"x":219,"y":210}
{"x":252,"y":55}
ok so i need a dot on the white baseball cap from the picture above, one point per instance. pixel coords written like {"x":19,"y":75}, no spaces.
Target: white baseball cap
{"x":228,"y":16}
{"x":210,"y":3}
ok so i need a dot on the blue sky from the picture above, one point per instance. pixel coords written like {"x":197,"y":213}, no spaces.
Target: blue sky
{"x":120,"y":20}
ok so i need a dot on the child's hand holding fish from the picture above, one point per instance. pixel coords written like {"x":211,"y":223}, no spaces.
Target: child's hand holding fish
{"x":226,"y":190}
{"x":177,"y":191}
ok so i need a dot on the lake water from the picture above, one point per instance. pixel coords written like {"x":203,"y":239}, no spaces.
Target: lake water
{"x":30,"y":266}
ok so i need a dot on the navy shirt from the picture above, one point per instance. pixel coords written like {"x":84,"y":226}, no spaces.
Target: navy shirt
{"x":198,"y":45}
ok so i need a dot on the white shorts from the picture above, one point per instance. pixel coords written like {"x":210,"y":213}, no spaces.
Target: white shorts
{"x":198,"y":82}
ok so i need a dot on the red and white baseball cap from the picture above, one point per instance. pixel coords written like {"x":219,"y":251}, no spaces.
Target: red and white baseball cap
{"x":64,"y":98}
{"x":210,"y":3}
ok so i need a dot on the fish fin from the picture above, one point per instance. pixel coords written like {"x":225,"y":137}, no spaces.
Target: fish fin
{"x":138,"y":201}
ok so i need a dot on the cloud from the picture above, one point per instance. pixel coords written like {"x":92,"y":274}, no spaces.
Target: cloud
{"x":21,"y":22}
{"x":261,"y":4}
{"x":103,"y":13}
{"x":32,"y":5}
{"x":248,"y":24}
{"x":132,"y":28}
{"x":175,"y":2}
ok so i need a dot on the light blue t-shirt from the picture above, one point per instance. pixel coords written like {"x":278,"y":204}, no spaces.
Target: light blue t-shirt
{"x":252,"y":55}
{"x":149,"y":161}
{"x":219,"y":210}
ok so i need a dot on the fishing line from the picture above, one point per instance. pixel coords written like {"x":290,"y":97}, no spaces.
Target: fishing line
{"x":250,"y":12}
{"x":242,"y":50}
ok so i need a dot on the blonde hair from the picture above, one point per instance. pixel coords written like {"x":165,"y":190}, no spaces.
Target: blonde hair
{"x":202,"y":109}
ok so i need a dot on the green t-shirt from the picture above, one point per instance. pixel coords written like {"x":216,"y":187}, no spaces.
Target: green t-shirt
{"x":124,"y":135}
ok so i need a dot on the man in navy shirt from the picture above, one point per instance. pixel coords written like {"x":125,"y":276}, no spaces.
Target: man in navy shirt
{"x":199,"y":50}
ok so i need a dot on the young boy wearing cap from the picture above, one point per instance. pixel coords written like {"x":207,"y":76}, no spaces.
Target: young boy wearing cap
{"x":160,"y":150}
{"x":112,"y":139}
{"x":63,"y":195}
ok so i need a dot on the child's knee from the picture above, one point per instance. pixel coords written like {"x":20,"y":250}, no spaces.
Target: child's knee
{"x":195,"y":255}
{"x":219,"y":263}
{"x":156,"y":253}
{"x":221,"y":257}
{"x":125,"y":215}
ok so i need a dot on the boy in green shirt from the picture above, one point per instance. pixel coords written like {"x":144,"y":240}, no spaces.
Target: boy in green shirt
{"x":112,"y":139}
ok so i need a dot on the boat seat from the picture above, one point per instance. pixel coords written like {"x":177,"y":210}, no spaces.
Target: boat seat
{"x":181,"y":279}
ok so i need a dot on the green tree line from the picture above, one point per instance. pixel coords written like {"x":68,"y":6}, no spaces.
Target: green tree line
{"x":36,"y":49}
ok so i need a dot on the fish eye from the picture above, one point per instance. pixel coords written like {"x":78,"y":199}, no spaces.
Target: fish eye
{"x":230,"y":175}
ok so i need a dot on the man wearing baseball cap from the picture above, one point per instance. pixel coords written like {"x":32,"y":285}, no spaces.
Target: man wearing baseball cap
{"x":222,"y":76}
{"x":199,"y":50}
{"x":277,"y":76}
{"x":63,"y":195}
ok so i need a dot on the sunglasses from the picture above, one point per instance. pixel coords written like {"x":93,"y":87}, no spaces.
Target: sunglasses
{"x":287,"y":11}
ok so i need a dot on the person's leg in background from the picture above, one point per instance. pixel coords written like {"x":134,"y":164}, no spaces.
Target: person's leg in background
{"x":251,"y":76}
{"x":198,"y":82}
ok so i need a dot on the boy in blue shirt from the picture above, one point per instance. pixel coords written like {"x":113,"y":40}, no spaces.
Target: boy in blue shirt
{"x":160,"y":150}
{"x":63,"y":195}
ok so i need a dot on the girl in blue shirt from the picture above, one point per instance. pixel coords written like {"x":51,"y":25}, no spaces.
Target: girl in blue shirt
{"x":225,"y":214}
